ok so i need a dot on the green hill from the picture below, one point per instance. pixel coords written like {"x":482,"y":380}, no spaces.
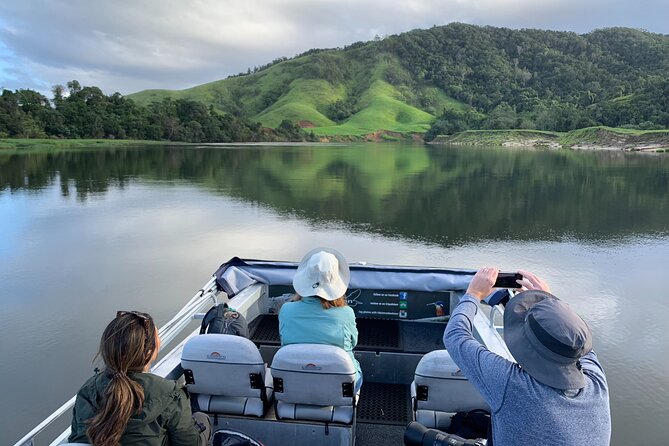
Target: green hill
{"x":454,"y":78}
{"x":305,"y":90}
{"x":306,"y":100}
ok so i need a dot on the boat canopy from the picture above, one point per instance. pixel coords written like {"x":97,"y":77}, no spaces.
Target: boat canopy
{"x":238,"y":274}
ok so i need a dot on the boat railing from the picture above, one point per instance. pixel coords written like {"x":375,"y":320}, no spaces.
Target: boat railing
{"x":168,"y":332}
{"x":499,"y":328}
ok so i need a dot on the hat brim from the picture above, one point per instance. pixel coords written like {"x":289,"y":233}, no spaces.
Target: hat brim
{"x":332,"y":291}
{"x":542,"y":364}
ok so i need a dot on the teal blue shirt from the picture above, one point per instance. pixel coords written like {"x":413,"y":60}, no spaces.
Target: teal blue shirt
{"x":306,"y":322}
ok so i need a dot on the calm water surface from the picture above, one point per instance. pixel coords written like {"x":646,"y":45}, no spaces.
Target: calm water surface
{"x":84,"y":233}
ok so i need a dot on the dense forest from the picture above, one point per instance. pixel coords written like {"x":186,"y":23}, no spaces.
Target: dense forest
{"x":544,"y":80}
{"x":85,"y":112}
{"x":441,"y":80}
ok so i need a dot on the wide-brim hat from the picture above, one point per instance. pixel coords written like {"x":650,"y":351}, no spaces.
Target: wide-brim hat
{"x":547,"y":338}
{"x":322,"y":272}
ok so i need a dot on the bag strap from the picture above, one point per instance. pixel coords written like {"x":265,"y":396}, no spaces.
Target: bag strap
{"x":212,"y":314}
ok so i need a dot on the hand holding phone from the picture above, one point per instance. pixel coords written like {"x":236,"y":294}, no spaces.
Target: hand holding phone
{"x":531,"y":281}
{"x":508,"y":280}
{"x":482,"y":282}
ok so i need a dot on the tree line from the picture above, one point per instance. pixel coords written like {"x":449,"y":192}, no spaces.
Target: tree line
{"x":646,"y":110}
{"x":86,"y":112}
{"x":535,"y":79}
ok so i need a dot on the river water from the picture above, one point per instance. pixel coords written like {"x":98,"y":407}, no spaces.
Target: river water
{"x":86,"y":232}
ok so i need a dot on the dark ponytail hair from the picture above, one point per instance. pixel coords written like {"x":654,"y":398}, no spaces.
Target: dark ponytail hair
{"x":127,"y":345}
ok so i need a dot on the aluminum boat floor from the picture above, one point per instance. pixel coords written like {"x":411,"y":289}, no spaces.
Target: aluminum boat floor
{"x":265,"y":330}
{"x":384,"y":404}
{"x":383,"y":413}
{"x":379,"y":434}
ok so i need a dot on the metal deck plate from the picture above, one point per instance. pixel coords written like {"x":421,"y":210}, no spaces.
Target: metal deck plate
{"x":379,"y":334}
{"x":265,"y":330}
{"x":384,"y":404}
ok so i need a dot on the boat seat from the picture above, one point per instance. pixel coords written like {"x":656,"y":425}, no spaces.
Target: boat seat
{"x":75,"y":444}
{"x":226,"y":374}
{"x":439,"y":390}
{"x":314,"y":382}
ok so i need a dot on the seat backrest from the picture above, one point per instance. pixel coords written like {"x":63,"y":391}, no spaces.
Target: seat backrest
{"x":313,"y":374}
{"x":440,"y":386}
{"x":220,"y":364}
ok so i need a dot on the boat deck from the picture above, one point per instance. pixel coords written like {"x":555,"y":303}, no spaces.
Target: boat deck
{"x":383,"y":412}
{"x":384,"y":408}
{"x":384,"y":404}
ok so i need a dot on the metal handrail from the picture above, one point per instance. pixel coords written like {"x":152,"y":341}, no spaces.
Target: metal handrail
{"x":167,"y":333}
{"x":496,"y":309}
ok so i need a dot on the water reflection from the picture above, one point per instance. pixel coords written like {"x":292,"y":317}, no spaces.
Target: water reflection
{"x":84,"y":233}
{"x":442,"y":195}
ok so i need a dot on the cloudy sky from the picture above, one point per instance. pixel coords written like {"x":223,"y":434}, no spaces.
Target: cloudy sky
{"x":131,"y":45}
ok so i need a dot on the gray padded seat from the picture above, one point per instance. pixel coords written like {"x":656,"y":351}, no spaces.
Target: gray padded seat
{"x":314,"y":382}
{"x":439,"y":390}
{"x":226,"y":374}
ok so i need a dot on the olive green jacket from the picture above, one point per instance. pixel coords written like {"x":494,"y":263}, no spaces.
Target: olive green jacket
{"x":165,"y":419}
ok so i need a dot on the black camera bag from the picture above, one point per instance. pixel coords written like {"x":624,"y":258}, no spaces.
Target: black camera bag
{"x":473,"y":424}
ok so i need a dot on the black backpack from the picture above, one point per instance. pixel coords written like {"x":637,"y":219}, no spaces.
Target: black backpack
{"x":225,"y":320}
{"x":473,"y":424}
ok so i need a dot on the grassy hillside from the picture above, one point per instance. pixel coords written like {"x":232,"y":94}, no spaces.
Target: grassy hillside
{"x":306,"y":101}
{"x":294,"y":90}
{"x":381,"y":109}
{"x":456,"y":77}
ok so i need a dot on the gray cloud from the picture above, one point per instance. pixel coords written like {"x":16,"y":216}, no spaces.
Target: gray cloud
{"x":128,"y":45}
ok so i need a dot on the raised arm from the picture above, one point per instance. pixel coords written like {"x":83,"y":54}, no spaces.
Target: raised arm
{"x":487,"y":371}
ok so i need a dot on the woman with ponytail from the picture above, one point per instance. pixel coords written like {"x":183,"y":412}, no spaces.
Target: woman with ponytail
{"x":124,"y":404}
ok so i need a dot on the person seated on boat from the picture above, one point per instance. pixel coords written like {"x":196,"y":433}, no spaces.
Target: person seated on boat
{"x":557,"y":392}
{"x":124,"y":403}
{"x":319,"y":314}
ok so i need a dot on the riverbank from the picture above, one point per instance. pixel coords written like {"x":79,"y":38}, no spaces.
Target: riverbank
{"x":377,"y":136}
{"x":60,"y":143}
{"x":57,"y":143}
{"x":591,"y":138}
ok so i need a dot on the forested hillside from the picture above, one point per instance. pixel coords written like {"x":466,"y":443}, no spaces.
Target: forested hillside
{"x":466,"y":76}
{"x":441,"y":80}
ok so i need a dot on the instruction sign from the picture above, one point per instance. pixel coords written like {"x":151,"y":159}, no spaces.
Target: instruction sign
{"x":388,"y":304}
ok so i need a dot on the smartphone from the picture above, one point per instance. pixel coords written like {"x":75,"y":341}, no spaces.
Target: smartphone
{"x":507,"y":280}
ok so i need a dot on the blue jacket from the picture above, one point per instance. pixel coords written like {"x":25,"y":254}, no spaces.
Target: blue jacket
{"x":525,"y":411}
{"x":306,"y":322}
